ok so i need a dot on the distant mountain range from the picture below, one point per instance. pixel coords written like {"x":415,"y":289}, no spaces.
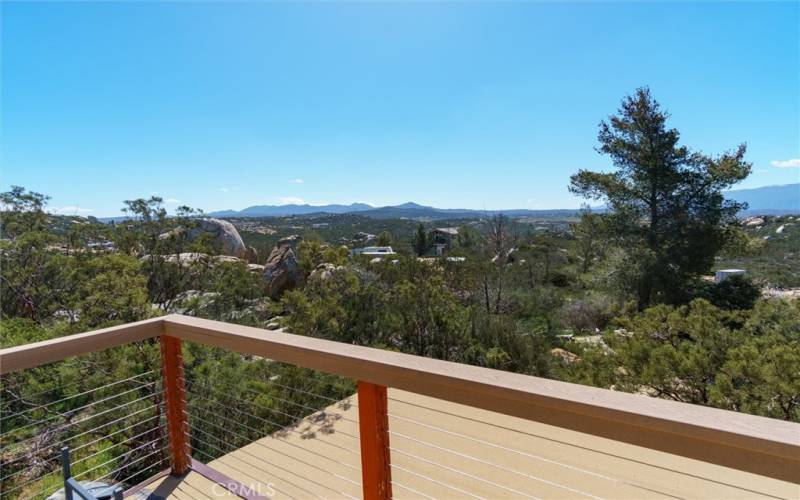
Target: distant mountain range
{"x":408,"y":210}
{"x":283,"y":210}
{"x":768,"y":200}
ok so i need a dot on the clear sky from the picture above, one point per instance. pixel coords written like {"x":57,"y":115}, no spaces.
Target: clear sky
{"x":479,"y":105}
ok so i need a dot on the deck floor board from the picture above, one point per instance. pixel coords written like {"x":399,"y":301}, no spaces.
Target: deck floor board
{"x":480,"y":453}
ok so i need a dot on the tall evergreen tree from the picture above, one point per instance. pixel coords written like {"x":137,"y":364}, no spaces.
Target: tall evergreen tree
{"x":666,"y":208}
{"x":420,"y":241}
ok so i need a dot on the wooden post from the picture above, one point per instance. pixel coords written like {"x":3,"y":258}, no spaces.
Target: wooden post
{"x":373,"y":419}
{"x":174,"y":397}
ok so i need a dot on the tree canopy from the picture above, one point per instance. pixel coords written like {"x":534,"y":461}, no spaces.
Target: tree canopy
{"x":665,"y":202}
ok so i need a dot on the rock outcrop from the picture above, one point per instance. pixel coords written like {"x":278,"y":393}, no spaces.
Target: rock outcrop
{"x":292,"y":241}
{"x":564,"y":355}
{"x":323,"y":272}
{"x":754,"y":221}
{"x":224,"y":236}
{"x":251,"y":255}
{"x":255,"y":268}
{"x":282,"y":271}
{"x":199,"y":303}
{"x":188,"y":258}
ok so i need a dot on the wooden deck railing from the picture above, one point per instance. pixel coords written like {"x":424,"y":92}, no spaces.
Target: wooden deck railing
{"x":748,"y":443}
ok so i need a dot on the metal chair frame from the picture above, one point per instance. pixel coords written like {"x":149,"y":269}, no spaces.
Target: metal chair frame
{"x":73,"y":487}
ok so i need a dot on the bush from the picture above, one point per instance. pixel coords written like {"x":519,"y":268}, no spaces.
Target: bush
{"x":561,"y":279}
{"x":735,"y":293}
{"x":586,"y":315}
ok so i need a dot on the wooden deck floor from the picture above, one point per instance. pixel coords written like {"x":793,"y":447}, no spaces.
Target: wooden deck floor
{"x":445,"y":450}
{"x":190,"y":486}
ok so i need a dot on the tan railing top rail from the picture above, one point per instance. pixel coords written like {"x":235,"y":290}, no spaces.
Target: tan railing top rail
{"x":749,"y":443}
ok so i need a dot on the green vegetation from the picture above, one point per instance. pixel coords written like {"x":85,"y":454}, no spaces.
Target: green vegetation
{"x":667,"y":213}
{"x":614,"y":299}
{"x":770,"y":254}
{"x":739,"y":360}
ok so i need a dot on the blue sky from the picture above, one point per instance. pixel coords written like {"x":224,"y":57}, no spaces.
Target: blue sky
{"x":480,"y":105}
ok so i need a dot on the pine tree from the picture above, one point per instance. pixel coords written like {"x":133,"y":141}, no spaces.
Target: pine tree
{"x":666,"y":208}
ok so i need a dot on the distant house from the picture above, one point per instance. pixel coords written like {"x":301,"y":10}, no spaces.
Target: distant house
{"x":102,"y":245}
{"x":373,"y":251}
{"x":724,"y":274}
{"x":443,"y":238}
{"x":445,"y":234}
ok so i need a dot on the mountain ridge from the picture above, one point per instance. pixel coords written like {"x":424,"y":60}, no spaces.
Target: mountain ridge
{"x":291,"y":209}
{"x":766,"y":200}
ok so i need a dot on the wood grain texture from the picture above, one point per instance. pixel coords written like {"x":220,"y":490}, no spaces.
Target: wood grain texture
{"x":174,"y":399}
{"x":144,"y":484}
{"x":574,"y":465}
{"x":41,"y":353}
{"x":235,"y":487}
{"x":373,"y":419}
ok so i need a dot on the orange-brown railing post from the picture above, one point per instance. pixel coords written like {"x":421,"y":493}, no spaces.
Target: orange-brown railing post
{"x":373,"y":418}
{"x":174,"y":398}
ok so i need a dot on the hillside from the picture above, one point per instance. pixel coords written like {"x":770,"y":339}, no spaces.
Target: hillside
{"x":409,"y":210}
{"x":768,"y":200}
{"x":292,"y":209}
{"x":776,"y":263}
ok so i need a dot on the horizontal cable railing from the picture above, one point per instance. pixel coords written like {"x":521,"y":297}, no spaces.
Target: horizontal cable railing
{"x":432,"y":447}
{"x":115,"y":431}
{"x":306,"y":418}
{"x":267,"y":420}
{"x":43,"y":407}
{"x":440,"y":445}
